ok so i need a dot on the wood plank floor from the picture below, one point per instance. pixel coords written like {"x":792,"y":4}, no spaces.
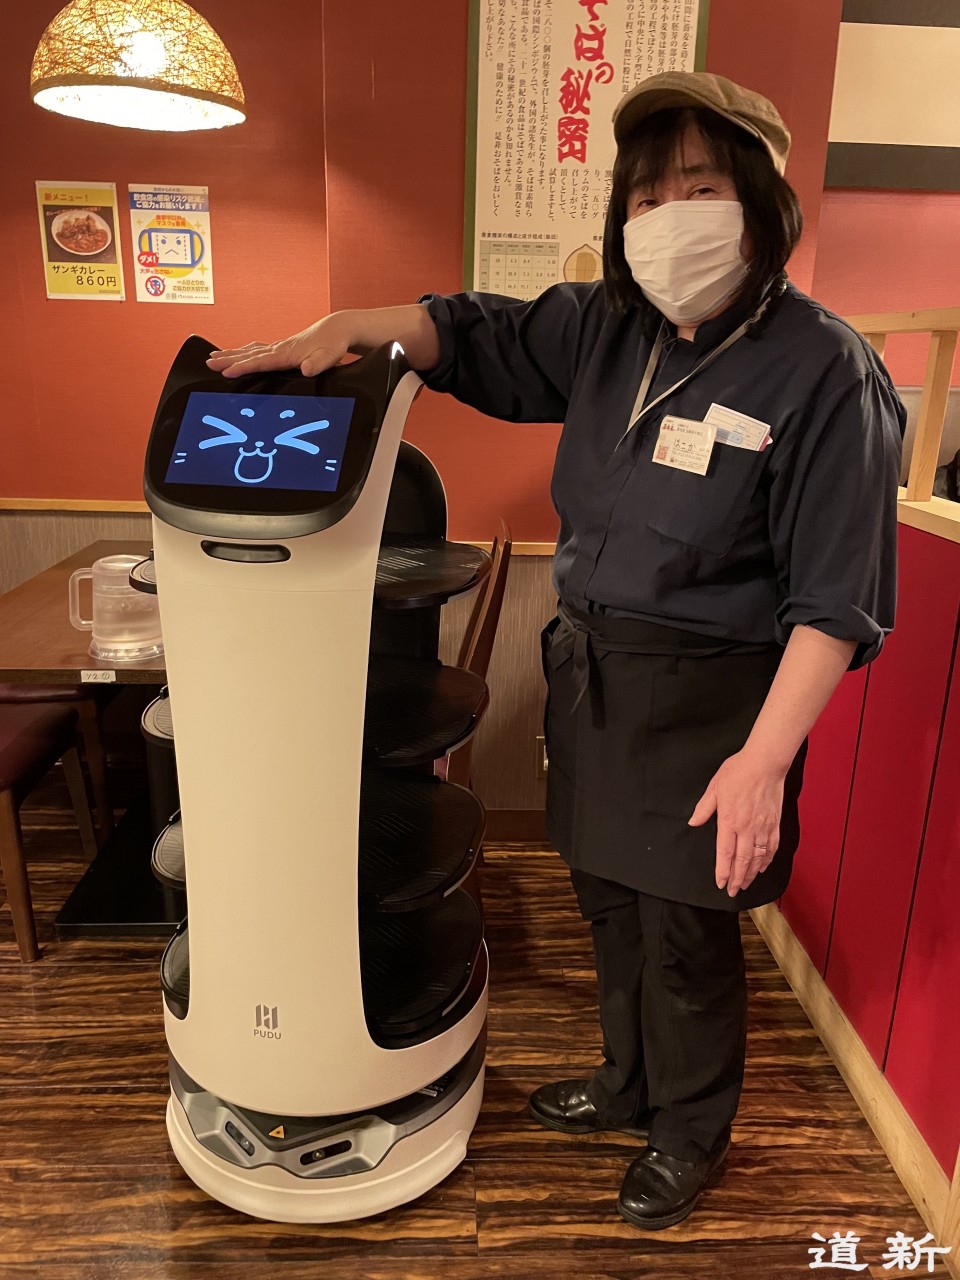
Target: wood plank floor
{"x":89,"y":1189}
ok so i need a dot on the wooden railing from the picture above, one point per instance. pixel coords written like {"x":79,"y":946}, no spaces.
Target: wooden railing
{"x":943,"y":326}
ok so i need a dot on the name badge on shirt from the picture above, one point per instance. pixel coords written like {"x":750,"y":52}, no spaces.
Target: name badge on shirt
{"x":738,"y":429}
{"x":685,"y":444}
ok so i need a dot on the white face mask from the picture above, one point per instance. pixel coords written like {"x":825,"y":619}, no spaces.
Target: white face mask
{"x":685,"y":256}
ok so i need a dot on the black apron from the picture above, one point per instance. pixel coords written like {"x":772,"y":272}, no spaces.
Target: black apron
{"x":639,"y":718}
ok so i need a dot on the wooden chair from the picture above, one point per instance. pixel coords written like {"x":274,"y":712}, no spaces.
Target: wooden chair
{"x":87,"y":704}
{"x":32,"y":739}
{"x":479,"y":637}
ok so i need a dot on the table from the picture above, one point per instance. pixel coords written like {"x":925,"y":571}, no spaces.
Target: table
{"x":118,"y":894}
{"x":38,"y":645}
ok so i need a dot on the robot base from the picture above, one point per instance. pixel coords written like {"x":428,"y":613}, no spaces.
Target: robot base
{"x":410,"y":1168}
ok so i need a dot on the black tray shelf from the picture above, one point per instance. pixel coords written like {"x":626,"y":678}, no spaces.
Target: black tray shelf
{"x":412,"y":573}
{"x":175,"y":972}
{"x":414,"y":968}
{"x":418,"y":573}
{"x":166,"y":857}
{"x":418,"y":710}
{"x":417,"y":966}
{"x":419,"y":839}
{"x":156,"y":723}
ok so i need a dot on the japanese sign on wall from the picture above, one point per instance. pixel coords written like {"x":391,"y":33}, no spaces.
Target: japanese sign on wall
{"x":78,"y":235}
{"x":549,"y":74}
{"x":171,"y":243}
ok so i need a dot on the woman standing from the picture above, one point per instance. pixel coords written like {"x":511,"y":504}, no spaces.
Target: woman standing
{"x":726,"y":484}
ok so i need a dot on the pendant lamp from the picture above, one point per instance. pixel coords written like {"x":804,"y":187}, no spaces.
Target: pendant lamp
{"x":143,"y":64}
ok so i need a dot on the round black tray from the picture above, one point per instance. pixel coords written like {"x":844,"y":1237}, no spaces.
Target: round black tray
{"x":143,"y":576}
{"x":415,"y":967}
{"x":416,"y":572}
{"x":157,"y":721}
{"x":175,"y":972}
{"x":419,"y":838}
{"x":418,"y":710}
{"x":411,"y":572}
{"x":166,"y":858}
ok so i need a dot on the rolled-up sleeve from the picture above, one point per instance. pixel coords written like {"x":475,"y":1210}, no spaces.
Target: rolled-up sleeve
{"x":833,"y":514}
{"x":510,"y":359}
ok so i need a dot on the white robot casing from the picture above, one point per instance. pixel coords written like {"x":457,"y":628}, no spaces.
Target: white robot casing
{"x":267,"y":668}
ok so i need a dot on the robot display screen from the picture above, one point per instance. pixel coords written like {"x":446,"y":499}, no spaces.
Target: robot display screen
{"x":261,"y":441}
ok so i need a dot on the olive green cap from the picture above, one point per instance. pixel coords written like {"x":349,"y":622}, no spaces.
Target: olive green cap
{"x":751,"y":111}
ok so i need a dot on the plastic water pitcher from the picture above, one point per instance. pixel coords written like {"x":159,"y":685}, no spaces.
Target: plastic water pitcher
{"x":125,"y":622}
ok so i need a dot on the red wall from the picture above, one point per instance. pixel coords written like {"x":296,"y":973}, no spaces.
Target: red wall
{"x":786,"y":51}
{"x":890,"y":251}
{"x":899,"y":736}
{"x":83,"y":377}
{"x":824,"y":804}
{"x":925,"y":1040}
{"x":395,"y":187}
{"x":876,"y":879}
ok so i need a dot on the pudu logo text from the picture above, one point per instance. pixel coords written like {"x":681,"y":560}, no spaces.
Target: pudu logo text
{"x":267,"y":1022}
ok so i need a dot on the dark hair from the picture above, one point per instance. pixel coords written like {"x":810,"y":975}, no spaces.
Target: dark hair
{"x":771,"y":211}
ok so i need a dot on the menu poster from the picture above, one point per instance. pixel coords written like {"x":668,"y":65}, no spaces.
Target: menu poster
{"x":171,"y":243}
{"x":548,"y":76}
{"x":78,"y":236}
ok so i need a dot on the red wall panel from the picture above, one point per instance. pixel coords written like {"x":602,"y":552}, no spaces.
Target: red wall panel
{"x":890,"y":251}
{"x":788,"y":52}
{"x":83,"y":377}
{"x":925,"y":1042}
{"x":891,"y":787}
{"x":824,"y":803}
{"x":395,"y":138}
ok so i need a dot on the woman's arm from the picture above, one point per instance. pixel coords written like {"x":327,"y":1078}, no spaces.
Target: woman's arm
{"x":746,"y":792}
{"x":505,"y":357}
{"x":326,"y":343}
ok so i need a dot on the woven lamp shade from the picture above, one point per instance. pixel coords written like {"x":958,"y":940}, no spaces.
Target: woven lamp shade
{"x":144,"y":64}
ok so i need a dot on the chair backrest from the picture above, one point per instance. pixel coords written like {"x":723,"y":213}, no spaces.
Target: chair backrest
{"x":481,"y":630}
{"x":479,"y":638}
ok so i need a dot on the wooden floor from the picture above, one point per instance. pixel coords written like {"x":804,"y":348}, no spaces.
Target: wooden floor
{"x":89,"y":1189}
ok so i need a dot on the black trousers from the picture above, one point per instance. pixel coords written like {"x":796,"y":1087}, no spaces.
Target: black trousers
{"x":673,"y":1012}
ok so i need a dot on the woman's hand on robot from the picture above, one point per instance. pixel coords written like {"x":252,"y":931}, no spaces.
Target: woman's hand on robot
{"x":315,"y":349}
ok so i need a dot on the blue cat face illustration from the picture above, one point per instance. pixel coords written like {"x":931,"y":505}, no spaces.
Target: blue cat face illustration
{"x":256,"y":473}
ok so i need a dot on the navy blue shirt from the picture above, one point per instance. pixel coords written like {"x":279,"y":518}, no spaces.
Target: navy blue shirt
{"x":802,"y":532}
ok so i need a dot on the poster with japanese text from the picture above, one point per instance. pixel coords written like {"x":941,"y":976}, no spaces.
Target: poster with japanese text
{"x":548,"y":76}
{"x":171,"y":243}
{"x":78,"y":236}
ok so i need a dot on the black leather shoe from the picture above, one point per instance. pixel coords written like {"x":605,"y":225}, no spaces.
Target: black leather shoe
{"x":660,"y":1190}
{"x":564,"y":1106}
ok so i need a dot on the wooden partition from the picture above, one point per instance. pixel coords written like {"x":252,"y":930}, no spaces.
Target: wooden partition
{"x":918,"y":506}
